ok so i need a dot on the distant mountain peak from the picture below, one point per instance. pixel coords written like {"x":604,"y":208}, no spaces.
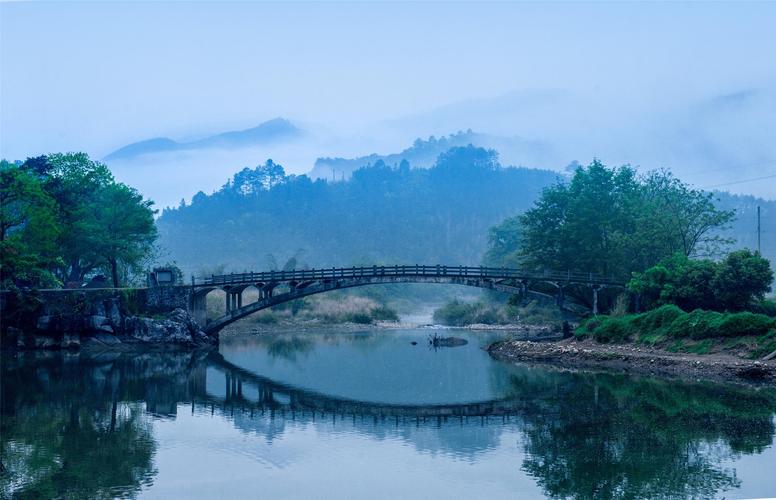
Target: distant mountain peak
{"x":268,"y":132}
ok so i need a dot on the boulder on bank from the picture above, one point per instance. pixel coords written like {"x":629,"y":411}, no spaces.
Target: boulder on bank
{"x":106,"y":325}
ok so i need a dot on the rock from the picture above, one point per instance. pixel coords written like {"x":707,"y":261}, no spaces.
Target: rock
{"x":179,"y":328}
{"x":71,"y":342}
{"x":114,"y":313}
{"x":96,"y":321}
{"x":447,"y":341}
{"x":98,"y":309}
{"x":111,"y":327}
{"x":100,"y":324}
{"x":106,"y":338}
{"x":43,"y":323}
{"x":44,"y":342}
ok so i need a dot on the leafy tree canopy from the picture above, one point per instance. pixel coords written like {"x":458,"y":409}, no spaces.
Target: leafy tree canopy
{"x":733,"y":284}
{"x":614,"y":222}
{"x":66,"y":218}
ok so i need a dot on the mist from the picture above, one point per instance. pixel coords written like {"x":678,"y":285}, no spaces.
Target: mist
{"x":671,"y":86}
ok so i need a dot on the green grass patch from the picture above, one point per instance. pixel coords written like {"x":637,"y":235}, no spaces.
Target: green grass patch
{"x":664,"y":324}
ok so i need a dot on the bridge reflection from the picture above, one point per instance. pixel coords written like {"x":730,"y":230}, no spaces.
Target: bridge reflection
{"x":273,"y":396}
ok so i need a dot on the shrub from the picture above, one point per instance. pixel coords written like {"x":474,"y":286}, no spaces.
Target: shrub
{"x":745,"y":323}
{"x":737,"y":283}
{"x":607,"y":329}
{"x":265,"y":318}
{"x":701,"y":324}
{"x":659,"y":319}
{"x":458,"y":313}
{"x":766,"y":306}
{"x":361,"y":318}
{"x":670,"y":321}
{"x":613,"y":330}
{"x":698,"y":324}
{"x":384,"y":313}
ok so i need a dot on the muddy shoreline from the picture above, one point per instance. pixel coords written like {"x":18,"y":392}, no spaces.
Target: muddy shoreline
{"x":633,"y":359}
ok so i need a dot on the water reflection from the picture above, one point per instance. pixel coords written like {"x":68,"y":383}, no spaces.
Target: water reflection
{"x":88,"y":426}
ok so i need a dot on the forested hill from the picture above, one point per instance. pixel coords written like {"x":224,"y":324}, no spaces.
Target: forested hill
{"x":381,"y":215}
{"x":423,"y":153}
{"x":384,"y":214}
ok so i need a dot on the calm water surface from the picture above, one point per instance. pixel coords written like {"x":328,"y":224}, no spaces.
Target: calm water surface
{"x":367,"y":414}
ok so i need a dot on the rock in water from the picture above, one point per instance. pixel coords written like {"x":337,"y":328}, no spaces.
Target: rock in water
{"x":448,"y":341}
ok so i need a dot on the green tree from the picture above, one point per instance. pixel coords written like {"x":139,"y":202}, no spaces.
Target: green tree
{"x":74,"y":181}
{"x":611,"y":221}
{"x":504,"y":241}
{"x":103,"y":224}
{"x":28,"y":231}
{"x":124,"y":229}
{"x":742,"y":278}
{"x":677,"y":280}
{"x":733,"y":284}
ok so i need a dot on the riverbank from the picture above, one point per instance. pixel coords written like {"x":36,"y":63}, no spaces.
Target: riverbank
{"x":638,"y":359}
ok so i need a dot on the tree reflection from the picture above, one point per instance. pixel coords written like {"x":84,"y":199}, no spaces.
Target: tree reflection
{"x":605,"y":436}
{"x":76,"y":427}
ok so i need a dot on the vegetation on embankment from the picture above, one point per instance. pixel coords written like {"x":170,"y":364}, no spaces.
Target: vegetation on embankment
{"x":328,"y":310}
{"x":460,"y":313}
{"x":699,"y":332}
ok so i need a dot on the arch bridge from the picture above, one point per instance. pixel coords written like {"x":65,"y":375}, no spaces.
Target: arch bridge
{"x":277,"y":287}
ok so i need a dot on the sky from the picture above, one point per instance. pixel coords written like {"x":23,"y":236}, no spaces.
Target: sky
{"x":365,"y":76}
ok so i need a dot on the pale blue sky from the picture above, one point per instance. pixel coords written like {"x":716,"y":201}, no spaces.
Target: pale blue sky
{"x":95,"y":76}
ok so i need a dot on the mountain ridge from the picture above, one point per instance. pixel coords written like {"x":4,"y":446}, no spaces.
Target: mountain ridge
{"x":266,"y":132}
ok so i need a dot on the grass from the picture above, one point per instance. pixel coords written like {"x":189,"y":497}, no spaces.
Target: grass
{"x":698,"y":332}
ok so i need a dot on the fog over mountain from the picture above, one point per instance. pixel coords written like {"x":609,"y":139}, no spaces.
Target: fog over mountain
{"x":543,"y":84}
{"x":268,"y":132}
{"x":723,"y":141}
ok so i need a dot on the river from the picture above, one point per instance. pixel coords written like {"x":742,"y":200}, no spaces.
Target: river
{"x":355,"y":414}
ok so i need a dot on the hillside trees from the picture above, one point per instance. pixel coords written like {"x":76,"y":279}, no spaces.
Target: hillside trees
{"x":384,"y":214}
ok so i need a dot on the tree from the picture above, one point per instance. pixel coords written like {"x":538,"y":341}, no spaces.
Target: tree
{"x":125,"y":230}
{"x":504,"y":241}
{"x":743,"y":277}
{"x":64,"y":215}
{"x":28,"y":231}
{"x":613,"y":222}
{"x":677,"y":280}
{"x":733,"y":284}
{"x":74,"y":181}
{"x":686,"y":218}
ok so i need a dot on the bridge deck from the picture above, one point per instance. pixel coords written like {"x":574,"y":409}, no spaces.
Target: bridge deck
{"x":496,"y":273}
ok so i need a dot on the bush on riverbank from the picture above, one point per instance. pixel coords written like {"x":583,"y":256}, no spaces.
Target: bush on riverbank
{"x":330,"y":310}
{"x":671,"y":323}
{"x":459,"y":313}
